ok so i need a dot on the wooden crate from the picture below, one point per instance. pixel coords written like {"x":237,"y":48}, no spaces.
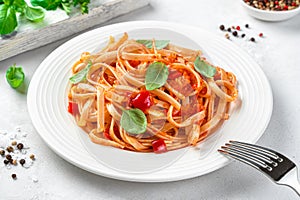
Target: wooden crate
{"x":31,"y":36}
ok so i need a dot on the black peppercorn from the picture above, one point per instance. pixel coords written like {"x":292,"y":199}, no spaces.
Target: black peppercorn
{"x":243,"y":35}
{"x":6,"y":162}
{"x":10,"y":149}
{"x":8,"y":157}
{"x":235,"y":33}
{"x":252,"y":39}
{"x":20,"y":146}
{"x":2,"y":152}
{"x":222,"y":27}
{"x":14,"y":176}
{"x":22,"y":161}
{"x":229,"y":29}
{"x":247,"y":25}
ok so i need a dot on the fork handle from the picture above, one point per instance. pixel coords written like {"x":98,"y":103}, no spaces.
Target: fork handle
{"x":291,"y":180}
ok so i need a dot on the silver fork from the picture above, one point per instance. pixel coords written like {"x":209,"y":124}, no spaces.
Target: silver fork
{"x":275,"y":165}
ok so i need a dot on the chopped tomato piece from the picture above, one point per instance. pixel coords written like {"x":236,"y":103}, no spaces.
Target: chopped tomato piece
{"x":134,"y":63}
{"x":73,"y":108}
{"x":106,"y":134}
{"x":142,"y":100}
{"x":159,"y":146}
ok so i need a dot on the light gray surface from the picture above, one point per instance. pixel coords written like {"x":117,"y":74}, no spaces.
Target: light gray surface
{"x":277,"y":53}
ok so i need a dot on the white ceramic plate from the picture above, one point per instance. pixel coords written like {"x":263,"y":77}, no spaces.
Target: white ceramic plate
{"x":47,"y":102}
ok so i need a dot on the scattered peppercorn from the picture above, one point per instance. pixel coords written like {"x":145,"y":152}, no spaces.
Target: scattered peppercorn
{"x":10,"y":149}
{"x":243,"y":35}
{"x":14,"y":162}
{"x":238,"y":28}
{"x":5,"y":162}
{"x":229,"y":29}
{"x":20,"y":146}
{"x":8,"y":157}
{"x":222,"y":27}
{"x":32,"y":157}
{"x":261,"y":35}
{"x":13,"y":143}
{"x":252,"y":39}
{"x":235,"y":33}
{"x":247,"y":25}
{"x":14,"y":176}
{"x":2,"y":152}
{"x":22,"y":161}
{"x":227,"y":36}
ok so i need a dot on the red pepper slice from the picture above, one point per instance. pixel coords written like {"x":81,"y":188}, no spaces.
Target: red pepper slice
{"x":142,"y":100}
{"x":73,"y":108}
{"x":159,"y":146}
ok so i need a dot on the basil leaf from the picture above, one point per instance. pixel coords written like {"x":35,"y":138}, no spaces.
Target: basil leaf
{"x":160,"y":44}
{"x":134,"y":121}
{"x":84,"y":7}
{"x":20,"y":5}
{"x":204,"y":68}
{"x":34,"y":14}
{"x":8,"y":19}
{"x":15,"y":76}
{"x":78,"y":77}
{"x":8,"y":2}
{"x":47,"y":4}
{"x":66,"y":6}
{"x":156,"y":75}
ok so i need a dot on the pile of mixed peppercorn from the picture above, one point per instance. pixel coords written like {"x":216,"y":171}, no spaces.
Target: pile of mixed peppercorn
{"x":281,"y":5}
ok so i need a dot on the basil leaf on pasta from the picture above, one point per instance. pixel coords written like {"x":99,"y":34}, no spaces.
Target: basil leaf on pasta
{"x":134,"y":121}
{"x":156,"y":75}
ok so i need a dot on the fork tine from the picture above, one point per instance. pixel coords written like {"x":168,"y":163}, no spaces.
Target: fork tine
{"x":239,"y":158}
{"x":246,"y":156}
{"x":257,"y":149}
{"x":253,"y":154}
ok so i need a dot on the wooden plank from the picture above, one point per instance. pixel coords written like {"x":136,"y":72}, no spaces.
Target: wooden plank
{"x":33,"y":38}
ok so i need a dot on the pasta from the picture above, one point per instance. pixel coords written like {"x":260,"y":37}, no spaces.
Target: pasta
{"x":145,"y":98}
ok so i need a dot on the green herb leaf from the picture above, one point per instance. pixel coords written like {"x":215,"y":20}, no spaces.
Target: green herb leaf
{"x":47,"y":4}
{"x":156,"y":75}
{"x":78,"y":77}
{"x":15,"y":76}
{"x":19,"y":5}
{"x":160,"y":44}
{"x":134,"y":121}
{"x":8,"y":19}
{"x":34,"y":14}
{"x":66,"y":6}
{"x":204,"y":68}
{"x":8,"y":2}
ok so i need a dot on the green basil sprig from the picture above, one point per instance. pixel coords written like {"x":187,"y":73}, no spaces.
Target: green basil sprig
{"x":9,"y":10}
{"x":204,"y":68}
{"x":134,"y":121}
{"x":15,"y":76}
{"x":81,"y":75}
{"x":66,"y":5}
{"x":8,"y":14}
{"x":159,"y":44}
{"x":156,"y":75}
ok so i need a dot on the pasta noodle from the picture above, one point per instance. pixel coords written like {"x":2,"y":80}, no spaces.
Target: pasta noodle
{"x":183,"y":111}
